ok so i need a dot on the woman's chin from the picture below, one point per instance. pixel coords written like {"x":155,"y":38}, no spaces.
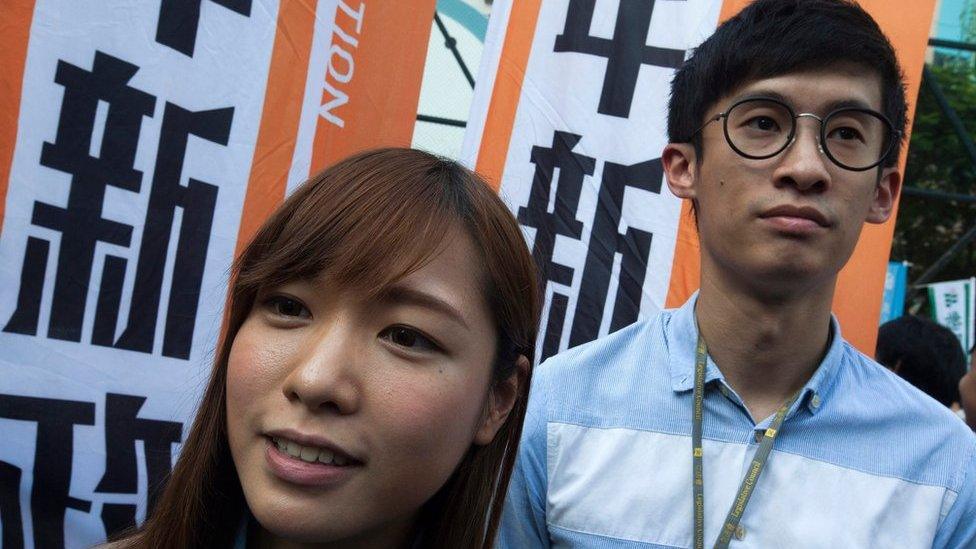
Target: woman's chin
{"x":296,"y":521}
{"x":302,"y":527}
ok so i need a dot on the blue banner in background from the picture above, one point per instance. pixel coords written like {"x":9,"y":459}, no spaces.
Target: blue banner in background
{"x":896,"y":283}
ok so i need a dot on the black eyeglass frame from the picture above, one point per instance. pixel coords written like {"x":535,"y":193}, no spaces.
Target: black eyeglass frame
{"x":893,"y":134}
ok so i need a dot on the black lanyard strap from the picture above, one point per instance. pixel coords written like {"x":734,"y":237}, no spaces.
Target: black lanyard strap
{"x":755,"y":468}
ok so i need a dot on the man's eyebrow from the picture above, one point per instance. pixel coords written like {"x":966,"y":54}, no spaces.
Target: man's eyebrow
{"x":411,"y":296}
{"x":762,"y":94}
{"x":848,"y":103}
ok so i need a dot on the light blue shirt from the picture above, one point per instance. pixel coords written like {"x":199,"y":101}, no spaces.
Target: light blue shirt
{"x":863,"y":459}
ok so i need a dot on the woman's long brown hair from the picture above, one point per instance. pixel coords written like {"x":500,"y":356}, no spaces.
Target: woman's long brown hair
{"x":366,"y":222}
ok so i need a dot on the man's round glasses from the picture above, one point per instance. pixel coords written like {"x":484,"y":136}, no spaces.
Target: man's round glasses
{"x":853,"y":138}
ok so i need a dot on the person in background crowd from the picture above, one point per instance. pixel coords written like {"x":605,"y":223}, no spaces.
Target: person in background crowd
{"x":967,"y":391}
{"x":372,"y":383}
{"x":925,"y":354}
{"x":743,"y":417}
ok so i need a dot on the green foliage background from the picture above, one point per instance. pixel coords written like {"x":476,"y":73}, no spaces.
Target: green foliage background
{"x":927,"y":228}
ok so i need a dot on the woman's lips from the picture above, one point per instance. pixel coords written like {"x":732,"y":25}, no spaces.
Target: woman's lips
{"x":308,"y":471}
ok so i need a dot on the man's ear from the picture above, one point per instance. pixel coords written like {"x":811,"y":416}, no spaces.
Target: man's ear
{"x":680,"y":169}
{"x":501,"y":399}
{"x":885,"y":194}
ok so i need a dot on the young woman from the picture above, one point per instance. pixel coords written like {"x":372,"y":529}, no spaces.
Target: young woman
{"x":372,"y":383}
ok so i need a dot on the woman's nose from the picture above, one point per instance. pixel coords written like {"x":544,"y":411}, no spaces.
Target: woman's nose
{"x":324,"y":376}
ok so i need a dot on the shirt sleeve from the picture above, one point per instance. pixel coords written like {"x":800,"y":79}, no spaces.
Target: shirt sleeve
{"x":958,"y":528}
{"x":523,"y":524}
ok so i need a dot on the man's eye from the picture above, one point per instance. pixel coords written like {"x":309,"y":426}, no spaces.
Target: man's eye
{"x":763,"y":123}
{"x":286,"y":306}
{"x":408,"y":338}
{"x":846,"y":134}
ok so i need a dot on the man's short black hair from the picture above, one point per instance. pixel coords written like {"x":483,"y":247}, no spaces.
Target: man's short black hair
{"x":775,"y":37}
{"x":925,"y":354}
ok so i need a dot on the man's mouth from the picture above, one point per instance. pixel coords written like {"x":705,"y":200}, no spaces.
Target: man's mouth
{"x":801,"y":215}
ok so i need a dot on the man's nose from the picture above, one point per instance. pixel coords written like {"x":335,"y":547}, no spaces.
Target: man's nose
{"x":804,"y":162}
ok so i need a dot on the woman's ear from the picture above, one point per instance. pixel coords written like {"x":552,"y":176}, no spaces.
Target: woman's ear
{"x":501,"y":399}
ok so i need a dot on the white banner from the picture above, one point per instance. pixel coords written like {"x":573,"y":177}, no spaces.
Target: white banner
{"x":122,"y":211}
{"x":953,"y":305}
{"x":583,"y":170}
{"x":141,"y":144}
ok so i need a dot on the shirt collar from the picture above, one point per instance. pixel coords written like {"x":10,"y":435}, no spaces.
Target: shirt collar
{"x":682,"y":337}
{"x":681,"y":334}
{"x":817,"y":390}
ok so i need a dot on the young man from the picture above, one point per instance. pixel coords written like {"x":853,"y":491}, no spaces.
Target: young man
{"x":785,"y":129}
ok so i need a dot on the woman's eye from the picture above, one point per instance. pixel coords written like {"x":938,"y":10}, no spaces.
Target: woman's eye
{"x":286,"y":306}
{"x":408,"y":338}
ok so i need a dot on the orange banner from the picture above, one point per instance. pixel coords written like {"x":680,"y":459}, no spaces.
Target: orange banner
{"x":15,"y":22}
{"x":505,"y":95}
{"x":356,"y":110}
{"x":275,"y":146}
{"x":372,"y":85}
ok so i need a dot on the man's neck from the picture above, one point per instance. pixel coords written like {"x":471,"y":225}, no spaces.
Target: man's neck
{"x":767,"y":348}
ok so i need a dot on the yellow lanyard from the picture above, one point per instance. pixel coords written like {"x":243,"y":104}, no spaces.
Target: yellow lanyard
{"x":751,"y":477}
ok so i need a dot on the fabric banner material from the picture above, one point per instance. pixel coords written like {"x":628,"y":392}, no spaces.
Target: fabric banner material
{"x":141,"y":144}
{"x":895,"y":288}
{"x":953,"y":305}
{"x":569,"y":120}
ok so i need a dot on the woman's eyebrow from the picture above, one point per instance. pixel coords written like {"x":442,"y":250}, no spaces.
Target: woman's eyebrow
{"x":412,"y":296}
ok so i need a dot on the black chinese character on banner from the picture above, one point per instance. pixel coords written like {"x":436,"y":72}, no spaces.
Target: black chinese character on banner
{"x":605,"y":241}
{"x":179,"y":21}
{"x":10,"y":518}
{"x":634,"y":247}
{"x":122,"y":429}
{"x":80,"y":222}
{"x":625,"y":52}
{"x":54,"y":455}
{"x":82,"y":226}
{"x":50,"y":495}
{"x":198,"y":201}
{"x":560,"y":221}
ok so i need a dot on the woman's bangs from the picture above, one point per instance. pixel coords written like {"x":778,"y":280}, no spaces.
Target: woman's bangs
{"x":379,"y":250}
{"x":362,"y":231}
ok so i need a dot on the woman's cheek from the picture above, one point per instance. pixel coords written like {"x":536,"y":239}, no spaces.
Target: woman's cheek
{"x":440,"y":412}
{"x":243,"y":378}
{"x":425,"y":434}
{"x":256,"y":361}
